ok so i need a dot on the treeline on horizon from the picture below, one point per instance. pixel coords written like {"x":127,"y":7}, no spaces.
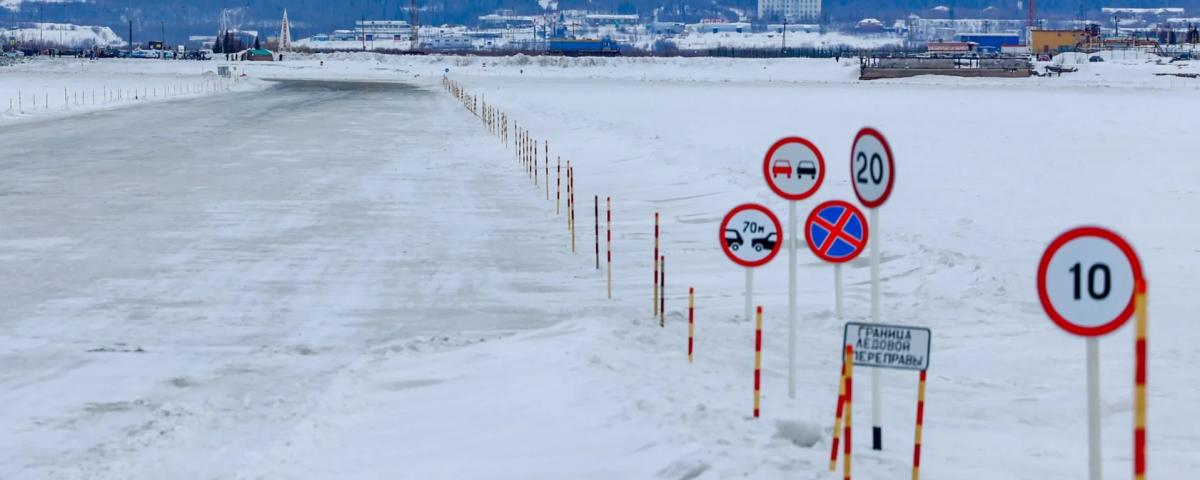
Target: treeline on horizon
{"x":180,"y":18}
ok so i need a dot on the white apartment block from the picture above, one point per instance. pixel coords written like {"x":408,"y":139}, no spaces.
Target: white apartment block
{"x":791,"y":10}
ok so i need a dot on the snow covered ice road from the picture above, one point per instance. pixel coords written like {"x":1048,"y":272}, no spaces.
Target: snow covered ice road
{"x":183,"y":279}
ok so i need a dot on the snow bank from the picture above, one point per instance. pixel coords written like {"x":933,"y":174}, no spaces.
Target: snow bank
{"x":65,"y":34}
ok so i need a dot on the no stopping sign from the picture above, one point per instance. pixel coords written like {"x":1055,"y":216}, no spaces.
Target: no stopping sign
{"x":1087,"y":279}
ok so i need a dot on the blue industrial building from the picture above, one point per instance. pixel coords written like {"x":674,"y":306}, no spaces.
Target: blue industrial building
{"x":990,"y":42}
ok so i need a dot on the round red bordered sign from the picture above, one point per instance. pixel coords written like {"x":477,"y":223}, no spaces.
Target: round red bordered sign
{"x":1087,"y":279}
{"x":794,"y":168}
{"x":836,"y":231}
{"x":751,"y":235}
{"x":872,"y":167}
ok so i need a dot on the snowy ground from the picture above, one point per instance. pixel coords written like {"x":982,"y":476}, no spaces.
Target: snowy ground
{"x":359,"y":282}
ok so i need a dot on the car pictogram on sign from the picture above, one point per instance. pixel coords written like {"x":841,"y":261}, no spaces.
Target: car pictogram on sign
{"x":806,"y":167}
{"x":733,"y":239}
{"x":782,"y":167}
{"x":765,"y":243}
{"x":837,"y":231}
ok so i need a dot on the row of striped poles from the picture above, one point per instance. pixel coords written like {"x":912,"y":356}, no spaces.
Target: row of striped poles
{"x":843,"y":415}
{"x":79,"y":98}
{"x":527,"y":150}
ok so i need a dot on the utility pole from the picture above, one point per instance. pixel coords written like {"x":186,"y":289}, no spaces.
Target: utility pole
{"x":785,"y":35}
{"x":131,"y":34}
{"x":414,"y":20}
{"x":162,"y":31}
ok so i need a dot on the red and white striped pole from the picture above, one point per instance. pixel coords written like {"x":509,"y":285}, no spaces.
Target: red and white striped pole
{"x":757,"y":358}
{"x":558,"y":188}
{"x":654,"y":302}
{"x":546,"y":164}
{"x":608,"y":243}
{"x":535,"y":165}
{"x":920,"y":425}
{"x":849,"y":417}
{"x":837,"y":423}
{"x":662,"y":291}
{"x":571,"y":180}
{"x":1139,"y":384}
{"x":596,"y":216}
{"x":691,"y":320}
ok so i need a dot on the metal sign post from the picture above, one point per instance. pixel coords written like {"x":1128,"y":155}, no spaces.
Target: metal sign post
{"x":794,"y":169}
{"x":873,"y":173}
{"x":1087,"y":282}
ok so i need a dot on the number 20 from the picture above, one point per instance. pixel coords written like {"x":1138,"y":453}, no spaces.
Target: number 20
{"x":874,"y":165}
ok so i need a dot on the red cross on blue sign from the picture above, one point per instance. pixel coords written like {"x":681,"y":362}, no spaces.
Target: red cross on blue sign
{"x":836,"y":231}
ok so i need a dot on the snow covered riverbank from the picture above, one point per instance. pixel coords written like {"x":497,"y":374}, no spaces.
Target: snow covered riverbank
{"x":298,"y":325}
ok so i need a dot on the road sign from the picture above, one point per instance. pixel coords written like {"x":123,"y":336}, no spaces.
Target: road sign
{"x":888,"y":346}
{"x":794,"y":168}
{"x":837,"y":231}
{"x":872,"y":167}
{"x":1087,"y":279}
{"x":751,"y":235}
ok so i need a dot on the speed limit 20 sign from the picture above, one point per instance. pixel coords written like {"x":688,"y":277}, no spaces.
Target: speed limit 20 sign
{"x":872,"y":167}
{"x":1087,"y":279}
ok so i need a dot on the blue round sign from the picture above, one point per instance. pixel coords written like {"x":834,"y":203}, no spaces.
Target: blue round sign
{"x":837,"y":231}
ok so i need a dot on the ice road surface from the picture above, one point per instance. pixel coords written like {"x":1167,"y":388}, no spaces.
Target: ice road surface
{"x":354,"y":280}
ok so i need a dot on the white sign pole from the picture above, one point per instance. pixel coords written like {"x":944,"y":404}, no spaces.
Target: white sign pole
{"x":876,"y":387}
{"x":1093,"y":407}
{"x":749,"y":291}
{"x":793,"y":237}
{"x":837,"y":289}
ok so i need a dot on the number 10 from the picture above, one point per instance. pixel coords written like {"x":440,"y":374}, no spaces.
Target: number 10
{"x":1096,"y":294}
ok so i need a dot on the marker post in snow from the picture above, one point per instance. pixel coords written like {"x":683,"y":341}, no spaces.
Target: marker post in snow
{"x":794,"y":169}
{"x":608,"y":242}
{"x":873,"y":173}
{"x":691,"y":320}
{"x":1090,"y":282}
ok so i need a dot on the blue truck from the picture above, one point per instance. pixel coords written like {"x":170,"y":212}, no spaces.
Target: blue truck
{"x":584,"y":47}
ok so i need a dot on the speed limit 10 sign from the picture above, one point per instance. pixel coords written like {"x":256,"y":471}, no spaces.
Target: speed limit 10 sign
{"x":872,"y":167}
{"x":1087,"y":279}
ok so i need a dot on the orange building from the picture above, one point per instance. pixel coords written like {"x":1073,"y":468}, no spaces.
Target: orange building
{"x":1055,"y":41}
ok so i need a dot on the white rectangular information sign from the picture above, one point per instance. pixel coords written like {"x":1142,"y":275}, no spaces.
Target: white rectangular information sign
{"x":888,"y":346}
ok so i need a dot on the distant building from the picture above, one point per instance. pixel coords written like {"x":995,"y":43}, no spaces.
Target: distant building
{"x":791,"y":10}
{"x":372,"y":30}
{"x":990,"y":42}
{"x":258,"y":55}
{"x":1056,"y":41}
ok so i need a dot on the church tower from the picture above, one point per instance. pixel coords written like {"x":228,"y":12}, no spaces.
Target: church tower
{"x":285,"y":34}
